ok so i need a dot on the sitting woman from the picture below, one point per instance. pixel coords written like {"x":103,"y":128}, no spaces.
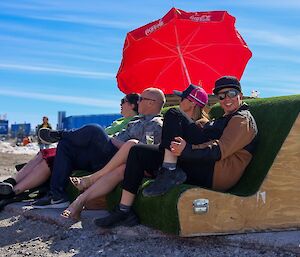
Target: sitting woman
{"x":214,"y":158}
{"x":102,"y":182}
{"x":38,"y":170}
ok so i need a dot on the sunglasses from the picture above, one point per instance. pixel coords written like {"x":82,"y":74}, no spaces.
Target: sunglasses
{"x":230,"y":93}
{"x":145,"y":98}
{"x":123,"y":101}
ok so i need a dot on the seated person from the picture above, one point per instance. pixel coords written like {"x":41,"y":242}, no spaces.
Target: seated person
{"x":215,"y":158}
{"x":89,"y":148}
{"x":37,"y":171}
{"x":103,"y":181}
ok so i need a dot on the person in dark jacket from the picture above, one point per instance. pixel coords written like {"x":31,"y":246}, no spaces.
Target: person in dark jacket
{"x":45,"y":124}
{"x":214,"y":158}
{"x":38,"y":170}
{"x":103,"y":181}
{"x":90,"y":148}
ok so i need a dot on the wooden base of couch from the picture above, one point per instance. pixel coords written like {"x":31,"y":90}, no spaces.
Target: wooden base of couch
{"x":275,"y":206}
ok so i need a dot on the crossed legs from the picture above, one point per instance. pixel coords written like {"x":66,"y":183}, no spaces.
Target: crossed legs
{"x":100,"y":183}
{"x":100,"y":188}
{"x":33,"y":174}
{"x":82,"y":183}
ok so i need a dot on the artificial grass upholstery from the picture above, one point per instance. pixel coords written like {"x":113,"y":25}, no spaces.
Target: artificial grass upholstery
{"x":274,"y":116}
{"x":158,"y":212}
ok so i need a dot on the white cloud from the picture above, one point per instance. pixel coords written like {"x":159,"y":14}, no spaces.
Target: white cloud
{"x":279,"y":57}
{"x":86,"y":21}
{"x":32,"y":34}
{"x":60,"y":98}
{"x":58,"y":70}
{"x":270,"y":4}
{"x":85,"y":14}
{"x":279,"y":90}
{"x":289,"y":39}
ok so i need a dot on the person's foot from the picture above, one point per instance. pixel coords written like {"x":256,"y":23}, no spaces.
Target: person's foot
{"x":118,"y":218}
{"x":49,"y":201}
{"x":166,"y":180}
{"x":48,"y":136}
{"x":81,"y":183}
{"x":74,"y":210}
{"x":6,"y":190}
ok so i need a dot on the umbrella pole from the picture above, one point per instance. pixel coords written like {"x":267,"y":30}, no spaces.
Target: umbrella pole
{"x":181,"y":58}
{"x":184,"y":65}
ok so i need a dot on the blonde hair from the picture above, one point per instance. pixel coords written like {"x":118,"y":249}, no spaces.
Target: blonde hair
{"x":199,"y":113}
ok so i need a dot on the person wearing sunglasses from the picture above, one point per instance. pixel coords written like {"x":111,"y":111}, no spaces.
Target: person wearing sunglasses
{"x":38,"y":170}
{"x":90,"y":148}
{"x":103,"y":181}
{"x":215,"y":157}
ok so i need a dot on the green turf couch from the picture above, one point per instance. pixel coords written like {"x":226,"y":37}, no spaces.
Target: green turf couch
{"x":275,"y":118}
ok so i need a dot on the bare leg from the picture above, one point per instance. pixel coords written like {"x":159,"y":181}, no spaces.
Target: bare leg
{"x":169,"y":157}
{"x":119,"y":158}
{"x":28,"y":167}
{"x":100,"y":188}
{"x":37,"y":175}
{"x":127,"y":198}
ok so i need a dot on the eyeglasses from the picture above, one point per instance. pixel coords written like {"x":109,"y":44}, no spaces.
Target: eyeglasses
{"x":124,"y":100}
{"x":145,"y":98}
{"x":230,"y":93}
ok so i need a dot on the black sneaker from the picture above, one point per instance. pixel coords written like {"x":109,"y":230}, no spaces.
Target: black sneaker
{"x":6,"y":188}
{"x":13,"y":199}
{"x":48,"y":136}
{"x":49,"y":202}
{"x":118,"y":218}
{"x":166,"y":180}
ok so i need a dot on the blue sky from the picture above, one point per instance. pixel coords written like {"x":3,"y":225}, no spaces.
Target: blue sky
{"x":64,"y":55}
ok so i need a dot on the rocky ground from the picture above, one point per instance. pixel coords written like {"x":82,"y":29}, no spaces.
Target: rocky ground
{"x":32,"y":235}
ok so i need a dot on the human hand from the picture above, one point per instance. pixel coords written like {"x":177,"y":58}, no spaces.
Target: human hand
{"x":177,"y":146}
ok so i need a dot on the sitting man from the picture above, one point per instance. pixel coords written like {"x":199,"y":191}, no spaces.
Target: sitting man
{"x":215,"y":158}
{"x":38,"y":170}
{"x":90,"y":148}
{"x":103,"y":181}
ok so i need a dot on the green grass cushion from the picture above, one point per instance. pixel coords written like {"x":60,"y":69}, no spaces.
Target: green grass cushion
{"x":157,"y":212}
{"x":274,"y":116}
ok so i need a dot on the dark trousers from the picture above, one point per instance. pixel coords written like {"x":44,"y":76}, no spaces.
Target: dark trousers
{"x":87,"y":148}
{"x":177,"y":123}
{"x":150,"y":157}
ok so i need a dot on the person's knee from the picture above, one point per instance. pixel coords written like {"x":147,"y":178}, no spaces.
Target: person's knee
{"x":93,"y":128}
{"x":134,"y":150}
{"x":132,"y":142}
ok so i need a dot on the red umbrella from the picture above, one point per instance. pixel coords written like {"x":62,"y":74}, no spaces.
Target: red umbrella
{"x":182,"y":48}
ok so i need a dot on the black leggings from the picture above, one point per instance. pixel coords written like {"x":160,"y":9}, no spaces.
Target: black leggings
{"x":177,"y":123}
{"x":150,"y":157}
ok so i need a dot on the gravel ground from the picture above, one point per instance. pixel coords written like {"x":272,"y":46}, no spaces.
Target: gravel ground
{"x":22,"y":235}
